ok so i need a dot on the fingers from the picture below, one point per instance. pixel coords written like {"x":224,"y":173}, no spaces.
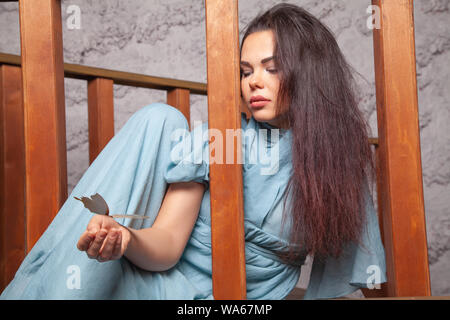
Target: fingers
{"x":93,"y":250}
{"x":95,"y":224}
{"x":117,"y":251}
{"x":108,"y":246}
{"x":85,"y":240}
{"x":102,"y":240}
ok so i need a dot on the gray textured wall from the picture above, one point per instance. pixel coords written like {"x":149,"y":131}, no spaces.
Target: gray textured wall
{"x":167,"y":38}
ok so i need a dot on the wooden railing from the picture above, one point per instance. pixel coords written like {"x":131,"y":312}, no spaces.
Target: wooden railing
{"x":100,"y":95}
{"x":101,"y":129}
{"x":33,"y":162}
{"x":14,"y":216}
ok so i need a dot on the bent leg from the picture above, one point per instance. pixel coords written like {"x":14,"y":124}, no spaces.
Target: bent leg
{"x":129,"y":175}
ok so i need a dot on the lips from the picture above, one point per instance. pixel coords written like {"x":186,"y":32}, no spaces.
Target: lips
{"x":258,"y":101}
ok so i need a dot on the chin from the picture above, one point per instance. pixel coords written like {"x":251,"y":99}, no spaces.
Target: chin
{"x":262,"y":115}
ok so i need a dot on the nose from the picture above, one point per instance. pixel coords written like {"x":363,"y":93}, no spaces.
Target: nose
{"x":255,"y":81}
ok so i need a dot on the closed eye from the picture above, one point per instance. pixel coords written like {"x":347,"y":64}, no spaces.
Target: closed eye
{"x":245,"y":74}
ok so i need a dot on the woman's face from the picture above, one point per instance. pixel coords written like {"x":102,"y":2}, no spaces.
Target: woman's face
{"x":260,"y":80}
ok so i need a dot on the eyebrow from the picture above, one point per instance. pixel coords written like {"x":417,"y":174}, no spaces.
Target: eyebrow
{"x":245,"y":63}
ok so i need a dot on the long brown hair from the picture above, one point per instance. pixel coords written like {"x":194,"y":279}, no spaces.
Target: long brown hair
{"x":332,"y":160}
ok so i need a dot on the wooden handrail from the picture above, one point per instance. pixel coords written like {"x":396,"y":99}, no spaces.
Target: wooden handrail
{"x":76,"y":71}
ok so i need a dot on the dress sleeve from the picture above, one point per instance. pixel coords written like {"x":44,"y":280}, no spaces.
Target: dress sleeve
{"x":361,"y":266}
{"x":189,"y":158}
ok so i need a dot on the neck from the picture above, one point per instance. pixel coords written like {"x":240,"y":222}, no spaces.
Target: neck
{"x":280,"y":123}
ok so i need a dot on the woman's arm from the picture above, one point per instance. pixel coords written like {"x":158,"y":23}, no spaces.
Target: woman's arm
{"x":160,"y":247}
{"x":157,"y":248}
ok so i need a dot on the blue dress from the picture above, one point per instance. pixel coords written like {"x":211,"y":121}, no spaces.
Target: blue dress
{"x":132,"y":174}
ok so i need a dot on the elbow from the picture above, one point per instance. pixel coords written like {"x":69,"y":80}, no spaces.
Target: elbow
{"x":156,"y":265}
{"x":162,"y":257}
{"x":171,"y":255}
{"x":170,"y":265}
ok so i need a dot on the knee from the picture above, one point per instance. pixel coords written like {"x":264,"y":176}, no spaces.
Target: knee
{"x":162,"y":112}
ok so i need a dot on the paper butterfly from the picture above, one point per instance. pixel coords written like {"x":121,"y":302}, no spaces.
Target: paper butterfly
{"x":98,"y":205}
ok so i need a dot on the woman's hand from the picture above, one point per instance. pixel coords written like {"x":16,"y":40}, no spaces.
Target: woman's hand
{"x":104,"y":239}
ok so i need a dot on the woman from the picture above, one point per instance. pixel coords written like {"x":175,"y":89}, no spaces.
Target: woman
{"x":296,"y":83}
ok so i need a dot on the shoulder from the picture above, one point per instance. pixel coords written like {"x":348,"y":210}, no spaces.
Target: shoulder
{"x":205,"y":125}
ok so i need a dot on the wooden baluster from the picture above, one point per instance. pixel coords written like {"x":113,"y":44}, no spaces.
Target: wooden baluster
{"x":179,"y":98}
{"x":227,"y":213}
{"x":401,"y":192}
{"x":243,"y":107}
{"x":12,"y":173}
{"x":43,"y":97}
{"x":382,"y":292}
{"x":100,"y":115}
